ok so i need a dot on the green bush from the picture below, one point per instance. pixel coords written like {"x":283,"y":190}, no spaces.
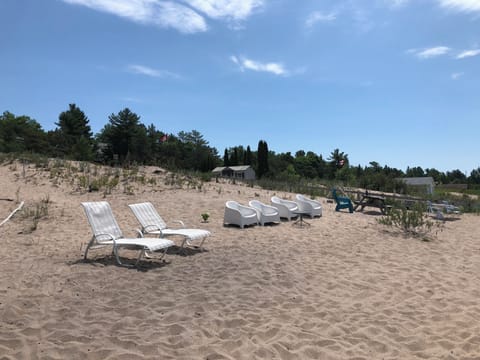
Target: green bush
{"x":35,"y":212}
{"x":413,"y":222}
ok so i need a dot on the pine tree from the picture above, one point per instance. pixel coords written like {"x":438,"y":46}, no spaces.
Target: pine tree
{"x":262,"y":168}
{"x":248,"y":156}
{"x":125,"y":136}
{"x":74,"y":135}
{"x":226,"y":160}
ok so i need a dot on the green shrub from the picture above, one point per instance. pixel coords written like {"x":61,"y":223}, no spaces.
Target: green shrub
{"x":35,"y":212}
{"x":205,"y":217}
{"x":413,"y":222}
{"x":205,"y":177}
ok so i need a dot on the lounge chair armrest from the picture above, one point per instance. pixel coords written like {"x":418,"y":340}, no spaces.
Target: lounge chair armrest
{"x":110,"y":237}
{"x":149,"y":228}
{"x":180,"y":222}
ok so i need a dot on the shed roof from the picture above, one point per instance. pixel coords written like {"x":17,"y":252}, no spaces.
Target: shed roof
{"x":240,"y":168}
{"x":234,"y":168}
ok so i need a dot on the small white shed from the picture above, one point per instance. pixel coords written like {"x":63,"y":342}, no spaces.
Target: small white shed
{"x":242,"y":172}
{"x":420,"y":182}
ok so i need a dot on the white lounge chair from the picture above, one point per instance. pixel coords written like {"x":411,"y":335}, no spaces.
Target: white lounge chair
{"x":286,"y":208}
{"x":265,"y":213}
{"x":152,"y":223}
{"x":310,"y":206}
{"x":451,"y":209}
{"x":107,"y":232}
{"x":238,"y":214}
{"x":441,"y":208}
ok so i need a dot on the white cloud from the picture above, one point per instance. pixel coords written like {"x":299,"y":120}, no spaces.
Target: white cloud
{"x":461,"y":5}
{"x":165,"y":14}
{"x":457,"y":75}
{"x":317,"y":16}
{"x":273,"y":68}
{"x":145,"y":70}
{"x":468,"y":53}
{"x":428,"y":53}
{"x":182,"y":15}
{"x":230,"y":9}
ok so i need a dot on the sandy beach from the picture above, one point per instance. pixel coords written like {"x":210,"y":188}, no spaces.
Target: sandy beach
{"x":342,"y":288}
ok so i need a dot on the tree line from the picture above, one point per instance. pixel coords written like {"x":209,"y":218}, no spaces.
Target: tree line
{"x":126,"y":140}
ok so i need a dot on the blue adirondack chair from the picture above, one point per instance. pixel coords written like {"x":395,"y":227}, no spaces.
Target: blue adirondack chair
{"x":343,"y":202}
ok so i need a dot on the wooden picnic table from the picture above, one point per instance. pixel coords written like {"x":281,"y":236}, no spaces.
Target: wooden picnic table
{"x":373,"y":201}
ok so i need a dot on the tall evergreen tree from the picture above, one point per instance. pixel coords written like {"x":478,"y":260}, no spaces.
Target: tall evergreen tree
{"x":21,"y":133}
{"x":125,"y":136}
{"x":226,"y":160}
{"x":74,"y":135}
{"x":262,"y":154}
{"x":196,"y":154}
{"x":234,"y":157}
{"x":248,"y":156}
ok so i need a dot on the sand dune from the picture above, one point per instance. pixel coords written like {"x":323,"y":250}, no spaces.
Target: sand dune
{"x":343,"y":288}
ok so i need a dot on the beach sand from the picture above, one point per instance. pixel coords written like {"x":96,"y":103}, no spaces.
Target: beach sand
{"x":342,"y":288}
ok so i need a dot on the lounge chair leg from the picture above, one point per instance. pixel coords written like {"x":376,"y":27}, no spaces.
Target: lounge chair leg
{"x":115,"y":252}
{"x":140,"y":255}
{"x":201,"y":245}
{"x":117,"y":256}
{"x":86,"y":250}
{"x":164,"y":254}
{"x":182,"y":247}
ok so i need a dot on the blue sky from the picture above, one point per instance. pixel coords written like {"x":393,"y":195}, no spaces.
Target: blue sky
{"x":391,"y":81}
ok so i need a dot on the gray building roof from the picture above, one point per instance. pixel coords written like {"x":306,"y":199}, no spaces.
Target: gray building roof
{"x":234,"y":168}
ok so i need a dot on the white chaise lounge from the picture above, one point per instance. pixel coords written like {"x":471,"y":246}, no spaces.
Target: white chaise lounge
{"x":153,"y":224}
{"x":106,"y":232}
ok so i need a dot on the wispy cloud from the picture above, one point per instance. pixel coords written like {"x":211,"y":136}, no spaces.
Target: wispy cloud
{"x":319,"y":17}
{"x":229,"y":9}
{"x":249,"y":64}
{"x":148,"y":71}
{"x":461,"y":5}
{"x":428,"y":53}
{"x":182,"y":15}
{"x":468,"y":53}
{"x":457,"y":75}
{"x":164,"y":14}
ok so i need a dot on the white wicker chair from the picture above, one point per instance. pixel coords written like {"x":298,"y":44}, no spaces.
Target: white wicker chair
{"x":285,"y":208}
{"x":312,"y":207}
{"x":238,"y":214}
{"x":265,"y":213}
